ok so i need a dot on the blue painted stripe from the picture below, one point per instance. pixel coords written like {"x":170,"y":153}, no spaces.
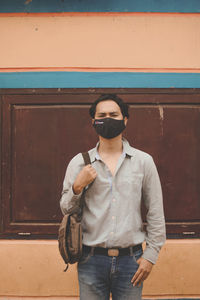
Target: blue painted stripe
{"x":98,"y":80}
{"x":36,"y":6}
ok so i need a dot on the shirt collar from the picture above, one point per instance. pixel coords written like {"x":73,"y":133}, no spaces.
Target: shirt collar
{"x":127,"y":150}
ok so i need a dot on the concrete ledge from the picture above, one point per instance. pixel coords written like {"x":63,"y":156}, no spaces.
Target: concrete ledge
{"x":38,"y":298}
{"x":76,"y":298}
{"x":34,"y":269}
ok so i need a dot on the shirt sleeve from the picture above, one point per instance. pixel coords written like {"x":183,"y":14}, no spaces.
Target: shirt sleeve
{"x":153,"y":200}
{"x":70,"y":202}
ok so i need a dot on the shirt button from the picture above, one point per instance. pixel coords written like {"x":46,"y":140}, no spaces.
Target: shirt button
{"x":114,"y":200}
{"x":111,"y":233}
{"x":113,"y":217}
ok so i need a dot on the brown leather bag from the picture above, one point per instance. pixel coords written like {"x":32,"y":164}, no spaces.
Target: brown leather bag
{"x":70,"y":231}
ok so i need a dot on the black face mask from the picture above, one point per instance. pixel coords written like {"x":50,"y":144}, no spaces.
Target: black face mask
{"x":109,"y":128}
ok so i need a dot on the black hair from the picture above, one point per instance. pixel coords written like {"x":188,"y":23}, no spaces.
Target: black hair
{"x":123,"y":106}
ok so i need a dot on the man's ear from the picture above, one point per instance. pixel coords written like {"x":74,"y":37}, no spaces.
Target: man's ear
{"x":125,"y":121}
{"x":92,"y":121}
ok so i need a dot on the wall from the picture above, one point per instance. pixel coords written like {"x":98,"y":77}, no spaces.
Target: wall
{"x":124,"y":42}
{"x":100,"y":49}
{"x":140,"y":44}
{"x":35,"y":268}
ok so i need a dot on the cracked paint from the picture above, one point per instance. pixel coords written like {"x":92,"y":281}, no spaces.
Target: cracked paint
{"x":161,"y":113}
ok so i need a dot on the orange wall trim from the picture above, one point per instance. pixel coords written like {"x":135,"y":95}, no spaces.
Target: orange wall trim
{"x":35,"y":269}
{"x":145,"y":70}
{"x":130,"y":41}
{"x":38,"y":298}
{"x":96,"y":14}
{"x":77,"y":298}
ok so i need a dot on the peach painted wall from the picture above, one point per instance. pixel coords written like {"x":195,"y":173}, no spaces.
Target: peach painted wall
{"x":139,"y":41}
{"x":35,"y":268}
{"x":115,"y":41}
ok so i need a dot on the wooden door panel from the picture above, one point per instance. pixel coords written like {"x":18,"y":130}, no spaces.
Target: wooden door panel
{"x":42,"y":131}
{"x":171,"y":134}
{"x":44,"y":140}
{"x":181,"y":156}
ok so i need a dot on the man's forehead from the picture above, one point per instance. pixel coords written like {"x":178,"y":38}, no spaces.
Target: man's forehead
{"x":108,"y":105}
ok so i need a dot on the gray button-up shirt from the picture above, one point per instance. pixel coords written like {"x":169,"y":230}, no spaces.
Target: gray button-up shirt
{"x":112,"y":209}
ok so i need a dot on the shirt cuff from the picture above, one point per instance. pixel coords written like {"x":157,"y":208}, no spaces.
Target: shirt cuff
{"x":70,"y":202}
{"x":75,"y":198}
{"x":73,"y":194}
{"x":150,"y":255}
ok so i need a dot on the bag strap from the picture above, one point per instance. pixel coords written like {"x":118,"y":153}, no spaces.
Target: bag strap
{"x":86,"y":158}
{"x":87,"y":161}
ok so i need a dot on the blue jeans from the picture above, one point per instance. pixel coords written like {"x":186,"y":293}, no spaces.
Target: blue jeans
{"x":100,"y":275}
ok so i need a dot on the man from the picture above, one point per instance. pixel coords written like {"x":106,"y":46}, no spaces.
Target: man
{"x":118,"y":177}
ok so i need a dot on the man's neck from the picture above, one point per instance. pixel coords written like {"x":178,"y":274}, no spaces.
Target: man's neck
{"x":110,"y":146}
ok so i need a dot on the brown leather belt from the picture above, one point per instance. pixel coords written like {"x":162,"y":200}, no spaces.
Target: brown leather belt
{"x":112,"y":251}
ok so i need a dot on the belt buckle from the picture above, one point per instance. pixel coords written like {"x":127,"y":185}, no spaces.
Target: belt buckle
{"x":113,"y":252}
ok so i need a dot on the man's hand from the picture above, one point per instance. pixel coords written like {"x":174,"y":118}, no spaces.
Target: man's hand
{"x":143,"y":271}
{"x":84,"y":177}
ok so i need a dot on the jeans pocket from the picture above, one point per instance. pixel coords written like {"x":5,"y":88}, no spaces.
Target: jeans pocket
{"x":84,"y":258}
{"x":137,"y":255}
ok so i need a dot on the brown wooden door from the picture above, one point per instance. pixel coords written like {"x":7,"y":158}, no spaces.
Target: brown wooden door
{"x":44,"y":129}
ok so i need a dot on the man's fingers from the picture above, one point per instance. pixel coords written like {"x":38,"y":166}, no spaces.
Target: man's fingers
{"x":85,"y":177}
{"x":92,"y":172}
{"x":138,"y":279}
{"x":142,"y":272}
{"x":145,"y":276}
{"x":90,"y":169}
{"x":137,"y":274}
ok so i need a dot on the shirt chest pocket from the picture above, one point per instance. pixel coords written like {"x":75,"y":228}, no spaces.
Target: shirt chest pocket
{"x":132,"y":182}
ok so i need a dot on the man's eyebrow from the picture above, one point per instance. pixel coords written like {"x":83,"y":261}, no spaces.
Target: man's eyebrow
{"x":110,"y":112}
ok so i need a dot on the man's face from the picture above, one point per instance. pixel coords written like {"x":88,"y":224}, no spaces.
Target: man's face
{"x":108,"y":109}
